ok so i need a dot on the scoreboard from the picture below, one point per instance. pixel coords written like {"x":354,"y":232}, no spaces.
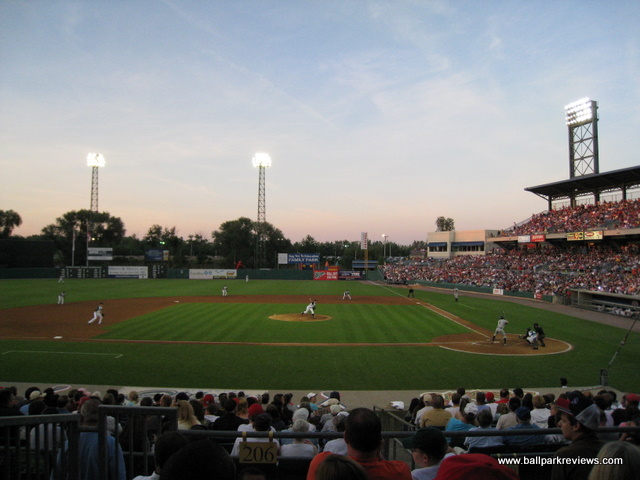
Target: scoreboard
{"x":83,"y":272}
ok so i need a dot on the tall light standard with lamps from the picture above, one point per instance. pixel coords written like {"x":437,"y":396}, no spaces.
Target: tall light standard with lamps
{"x":95,"y":161}
{"x":261,"y":161}
{"x":384,"y":247}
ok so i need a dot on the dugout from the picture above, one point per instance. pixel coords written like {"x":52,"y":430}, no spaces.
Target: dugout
{"x":611,"y":303}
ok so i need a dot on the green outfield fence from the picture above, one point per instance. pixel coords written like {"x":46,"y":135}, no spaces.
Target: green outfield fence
{"x":177,"y":273}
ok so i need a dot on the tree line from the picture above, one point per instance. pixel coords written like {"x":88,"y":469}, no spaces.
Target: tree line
{"x":232,"y":244}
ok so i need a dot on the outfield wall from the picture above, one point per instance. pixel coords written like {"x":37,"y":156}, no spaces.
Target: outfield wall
{"x":152,"y":271}
{"x":16,"y":273}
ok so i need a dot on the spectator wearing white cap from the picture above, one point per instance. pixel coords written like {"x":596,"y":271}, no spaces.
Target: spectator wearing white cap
{"x":300,"y":414}
{"x":312,"y":401}
{"x":332,"y":411}
{"x":33,"y":395}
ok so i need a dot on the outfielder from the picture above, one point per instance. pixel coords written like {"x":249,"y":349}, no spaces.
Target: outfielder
{"x":97,"y":314}
{"x":311,"y":308}
{"x":502,"y":322}
{"x":455,"y":294}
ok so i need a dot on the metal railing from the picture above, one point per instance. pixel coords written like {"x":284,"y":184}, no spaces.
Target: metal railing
{"x":30,"y":447}
{"x":43,"y":447}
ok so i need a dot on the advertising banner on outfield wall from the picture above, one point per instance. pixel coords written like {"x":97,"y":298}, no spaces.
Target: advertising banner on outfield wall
{"x":128,"y":272}
{"x":350,"y":275}
{"x":324,"y":275}
{"x":304,"y":258}
{"x":211,"y":273}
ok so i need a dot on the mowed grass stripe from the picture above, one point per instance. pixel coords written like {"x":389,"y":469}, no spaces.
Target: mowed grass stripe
{"x":251,"y":323}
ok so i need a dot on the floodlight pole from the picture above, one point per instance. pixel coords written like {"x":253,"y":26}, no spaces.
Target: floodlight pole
{"x":582,"y":120}
{"x":261,"y":161}
{"x":95,"y":161}
{"x":384,"y":248}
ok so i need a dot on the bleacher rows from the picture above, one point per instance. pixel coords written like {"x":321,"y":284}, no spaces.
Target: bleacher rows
{"x":19,"y":461}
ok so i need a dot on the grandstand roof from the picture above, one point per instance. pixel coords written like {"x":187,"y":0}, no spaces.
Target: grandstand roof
{"x":623,"y":179}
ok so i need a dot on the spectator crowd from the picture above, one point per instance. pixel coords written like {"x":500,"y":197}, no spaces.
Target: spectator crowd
{"x":603,"y":216}
{"x":356,"y":453}
{"x":547,"y":272}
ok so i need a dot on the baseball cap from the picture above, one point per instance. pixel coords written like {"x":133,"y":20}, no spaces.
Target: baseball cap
{"x":590,"y":417}
{"x":471,"y":408}
{"x":562,"y":405}
{"x":489,"y":396}
{"x":38,"y":394}
{"x":473,"y":466}
{"x":523,"y":413}
{"x":255,"y":409}
{"x":575,"y":404}
{"x":633,"y":397}
{"x":429,"y":440}
{"x":310,"y":395}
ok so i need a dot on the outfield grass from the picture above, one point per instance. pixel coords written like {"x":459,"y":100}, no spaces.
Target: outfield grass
{"x":296,"y":367}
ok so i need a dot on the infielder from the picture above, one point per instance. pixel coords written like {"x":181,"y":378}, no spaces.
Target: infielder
{"x":346,"y":295}
{"x":224,"y":291}
{"x":61,"y":298}
{"x":97,"y":314}
{"x":502,"y":322}
{"x":311,"y":308}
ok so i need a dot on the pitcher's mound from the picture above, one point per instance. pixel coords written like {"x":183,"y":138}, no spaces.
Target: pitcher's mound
{"x":296,"y":317}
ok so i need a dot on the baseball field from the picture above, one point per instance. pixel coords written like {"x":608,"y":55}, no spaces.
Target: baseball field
{"x":184,"y":334}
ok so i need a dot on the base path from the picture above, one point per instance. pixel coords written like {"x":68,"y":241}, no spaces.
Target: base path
{"x":69,"y":322}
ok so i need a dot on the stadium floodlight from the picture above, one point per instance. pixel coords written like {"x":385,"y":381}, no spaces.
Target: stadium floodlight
{"x":579,"y":112}
{"x":95,"y":160}
{"x":384,"y":247}
{"x":261,"y":160}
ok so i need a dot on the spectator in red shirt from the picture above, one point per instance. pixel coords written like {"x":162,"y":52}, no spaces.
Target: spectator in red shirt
{"x":363,"y":435}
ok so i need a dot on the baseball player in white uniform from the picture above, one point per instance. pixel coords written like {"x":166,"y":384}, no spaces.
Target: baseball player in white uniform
{"x":502,"y":322}
{"x":61,"y":298}
{"x":346,"y":295}
{"x":311,"y":308}
{"x":97,"y":314}
{"x":224,"y":291}
{"x":455,"y":294}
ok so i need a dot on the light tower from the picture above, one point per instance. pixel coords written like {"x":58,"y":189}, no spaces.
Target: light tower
{"x":384,"y":247}
{"x":582,"y":119}
{"x":95,"y":161}
{"x":261,"y":161}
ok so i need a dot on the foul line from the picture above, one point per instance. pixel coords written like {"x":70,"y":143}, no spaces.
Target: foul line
{"x":117,"y":355}
{"x":443,"y":313}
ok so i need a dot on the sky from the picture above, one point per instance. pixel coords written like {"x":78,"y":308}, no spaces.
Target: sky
{"x":379,"y":116}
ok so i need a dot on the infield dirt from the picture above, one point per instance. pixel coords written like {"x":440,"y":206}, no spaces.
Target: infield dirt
{"x":67,"y":322}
